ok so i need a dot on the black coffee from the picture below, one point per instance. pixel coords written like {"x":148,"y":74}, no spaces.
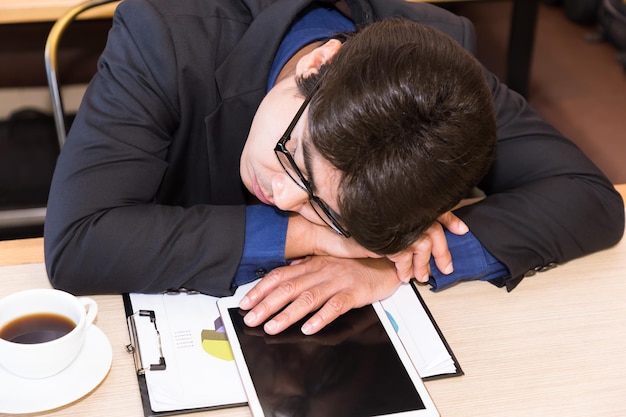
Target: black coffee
{"x":36,"y":328}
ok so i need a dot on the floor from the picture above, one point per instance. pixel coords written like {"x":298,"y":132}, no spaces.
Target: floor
{"x":575,"y":84}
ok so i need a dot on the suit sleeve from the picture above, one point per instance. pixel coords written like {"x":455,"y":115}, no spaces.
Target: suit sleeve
{"x":546,"y":202}
{"x":105,"y":231}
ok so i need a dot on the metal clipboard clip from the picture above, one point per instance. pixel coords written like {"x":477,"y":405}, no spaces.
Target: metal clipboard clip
{"x":134,"y":348}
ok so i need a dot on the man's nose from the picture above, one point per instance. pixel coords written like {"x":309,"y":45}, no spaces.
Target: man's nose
{"x":288,"y":195}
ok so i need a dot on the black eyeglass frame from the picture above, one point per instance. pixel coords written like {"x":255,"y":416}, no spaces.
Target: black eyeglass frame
{"x":281,"y":149}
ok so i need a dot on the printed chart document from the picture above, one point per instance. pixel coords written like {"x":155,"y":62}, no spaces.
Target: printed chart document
{"x":184,"y":361}
{"x":182,"y":357}
{"x":421,"y":337}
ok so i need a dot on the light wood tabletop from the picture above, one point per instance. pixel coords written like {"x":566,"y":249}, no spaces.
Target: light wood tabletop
{"x":552,"y":347}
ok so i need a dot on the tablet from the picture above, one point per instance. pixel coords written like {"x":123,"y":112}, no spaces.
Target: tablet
{"x":354,"y":367}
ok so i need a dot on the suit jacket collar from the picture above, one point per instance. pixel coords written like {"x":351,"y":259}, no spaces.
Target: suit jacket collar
{"x":265,"y":14}
{"x":258,"y":46}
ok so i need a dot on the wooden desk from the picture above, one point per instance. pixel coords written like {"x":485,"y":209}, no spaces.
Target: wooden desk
{"x":555,"y":346}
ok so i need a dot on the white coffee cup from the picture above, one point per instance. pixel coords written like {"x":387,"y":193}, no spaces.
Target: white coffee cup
{"x":42,"y":359}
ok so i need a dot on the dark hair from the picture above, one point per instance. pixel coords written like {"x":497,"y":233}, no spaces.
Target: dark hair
{"x":404,"y":112}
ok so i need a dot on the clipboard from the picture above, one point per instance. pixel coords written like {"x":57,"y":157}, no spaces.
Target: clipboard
{"x":147,"y":325}
{"x":134,"y":346}
{"x":419,"y":333}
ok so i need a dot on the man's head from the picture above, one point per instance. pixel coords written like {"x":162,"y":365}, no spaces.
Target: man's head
{"x":404,"y":113}
{"x":399,"y":128}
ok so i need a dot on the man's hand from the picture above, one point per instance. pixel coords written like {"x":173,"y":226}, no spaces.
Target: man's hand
{"x":414,"y":261}
{"x":332,"y":285}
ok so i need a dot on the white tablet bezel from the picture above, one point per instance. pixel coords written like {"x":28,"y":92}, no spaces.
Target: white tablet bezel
{"x":253,"y":401}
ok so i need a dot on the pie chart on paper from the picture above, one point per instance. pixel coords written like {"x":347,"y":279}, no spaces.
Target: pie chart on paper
{"x":215,"y":343}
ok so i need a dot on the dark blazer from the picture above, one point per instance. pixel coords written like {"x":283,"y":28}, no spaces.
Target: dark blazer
{"x":146,"y":195}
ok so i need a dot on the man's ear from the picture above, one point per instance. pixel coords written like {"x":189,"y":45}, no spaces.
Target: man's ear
{"x":310,"y":63}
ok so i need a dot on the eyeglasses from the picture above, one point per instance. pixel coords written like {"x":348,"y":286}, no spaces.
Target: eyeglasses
{"x":290,"y":167}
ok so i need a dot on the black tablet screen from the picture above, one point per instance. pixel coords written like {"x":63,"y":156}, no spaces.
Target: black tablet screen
{"x":349,"y":369}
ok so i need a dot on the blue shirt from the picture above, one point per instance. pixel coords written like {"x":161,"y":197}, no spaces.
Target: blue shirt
{"x":264,"y":244}
{"x":471,"y":262}
{"x":319,"y":23}
{"x":266,"y":227}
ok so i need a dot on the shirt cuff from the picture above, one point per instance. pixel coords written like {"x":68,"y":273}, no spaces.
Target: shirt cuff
{"x":264,"y":244}
{"x":471,"y":262}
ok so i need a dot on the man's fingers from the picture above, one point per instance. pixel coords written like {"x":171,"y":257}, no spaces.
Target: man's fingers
{"x":272,"y":293}
{"x":439,"y":249}
{"x":270,"y":282}
{"x":331,"y":298}
{"x":404,"y":265}
{"x":302,"y":305}
{"x":332,"y":309}
{"x":421,"y":258}
{"x":453,"y":223}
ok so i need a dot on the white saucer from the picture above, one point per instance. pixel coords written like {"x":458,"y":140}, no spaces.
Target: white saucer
{"x":23,"y":395}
